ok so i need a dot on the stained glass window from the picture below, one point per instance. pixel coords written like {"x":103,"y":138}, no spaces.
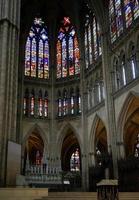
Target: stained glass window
{"x":78,"y":99}
{"x":135,"y":5}
{"x":92,"y":40}
{"x":116,"y":19}
{"x":128,"y":12}
{"x":37,"y":51}
{"x":32,"y":103}
{"x":25,"y":102}
{"x":133,"y":62}
{"x":40,"y":105}
{"x":46,"y":104}
{"x":72,"y":107}
{"x":67,"y":50}
{"x":59,"y":104}
{"x":75,"y":161}
{"x":123,"y":70}
{"x":65,"y":103}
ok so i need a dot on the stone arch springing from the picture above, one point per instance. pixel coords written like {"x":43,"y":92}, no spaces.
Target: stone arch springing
{"x":34,"y":140}
{"x":98,"y":138}
{"x":67,"y":132}
{"x":127,"y":126}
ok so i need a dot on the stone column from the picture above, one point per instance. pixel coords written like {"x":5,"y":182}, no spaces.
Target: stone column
{"x":109,"y":101}
{"x":9,"y":31}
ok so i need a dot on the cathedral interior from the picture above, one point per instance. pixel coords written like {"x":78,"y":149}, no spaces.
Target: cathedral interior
{"x":69,"y":83}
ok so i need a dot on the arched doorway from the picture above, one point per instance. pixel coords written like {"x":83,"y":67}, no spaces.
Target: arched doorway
{"x":34,"y":150}
{"x":128,"y":166}
{"x":71,"y":160}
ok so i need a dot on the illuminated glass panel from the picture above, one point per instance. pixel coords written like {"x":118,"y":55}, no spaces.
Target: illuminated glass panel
{"x":46,"y":60}
{"x":72,"y":104}
{"x":46,"y":104}
{"x":33,"y":58}
{"x":59,"y":107}
{"x":95,"y":38}
{"x":76,"y":56}
{"x":64,"y":58}
{"x":37,"y":51}
{"x":65,"y":103}
{"x":40,"y":60}
{"x":113,"y":28}
{"x":86,"y":50}
{"x":45,"y":107}
{"x":32,"y":104}
{"x":118,"y":15}
{"x":67,"y":51}
{"x":90,"y":44}
{"x":99,"y":40}
{"x":128,"y":13}
{"x":135,"y":8}
{"x":75,"y":161}
{"x":59,"y":59}
{"x":27,"y":57}
{"x":71,"y":64}
{"x":40,"y":108}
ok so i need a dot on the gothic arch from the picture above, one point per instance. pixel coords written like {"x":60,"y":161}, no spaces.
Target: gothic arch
{"x":95,"y":136}
{"x":125,"y":119}
{"x":38,"y":129}
{"x":62,"y":134}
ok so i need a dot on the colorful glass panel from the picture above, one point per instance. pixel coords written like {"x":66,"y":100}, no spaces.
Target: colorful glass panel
{"x":32,"y":105}
{"x":119,"y":19}
{"x":90,"y":44}
{"x":45,"y":107}
{"x":59,"y":59}
{"x":59,"y":107}
{"x":40,"y":60}
{"x":37,"y":51}
{"x":128,"y":13}
{"x":33,"y":58}
{"x":95,"y":38}
{"x":46,"y":60}
{"x":27,"y":57}
{"x":40,"y":107}
{"x":86,"y":50}
{"x":71,"y":64}
{"x":76,"y":55}
{"x":67,"y":51}
{"x":135,"y":5}
{"x":64,"y":58}
{"x":113,"y":28}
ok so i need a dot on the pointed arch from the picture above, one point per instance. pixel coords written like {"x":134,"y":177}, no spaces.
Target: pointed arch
{"x":63,"y":132}
{"x":124,"y":114}
{"x":95,"y":124}
{"x":35,"y":128}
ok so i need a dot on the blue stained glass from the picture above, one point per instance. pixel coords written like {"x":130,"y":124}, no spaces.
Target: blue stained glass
{"x":128,"y":13}
{"x":46,"y":60}
{"x":136,"y":8}
{"x":40,"y":60}
{"x":61,"y":35}
{"x":64,"y":58}
{"x":27,"y":57}
{"x":71,"y":64}
{"x":37,"y":51}
{"x":33,"y":58}
{"x":119,"y":19}
{"x":86,"y":50}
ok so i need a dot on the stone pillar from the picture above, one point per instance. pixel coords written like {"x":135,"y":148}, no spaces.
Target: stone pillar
{"x":109,"y":101}
{"x":9,"y":31}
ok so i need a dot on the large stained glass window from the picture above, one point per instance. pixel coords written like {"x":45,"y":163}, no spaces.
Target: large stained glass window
{"x":122,"y":12}
{"x":37,"y":51}
{"x":92,"y":40}
{"x":116,"y":19}
{"x":67,"y":51}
